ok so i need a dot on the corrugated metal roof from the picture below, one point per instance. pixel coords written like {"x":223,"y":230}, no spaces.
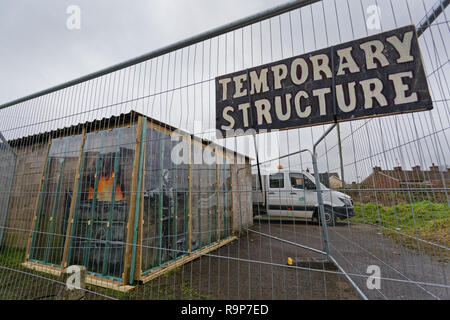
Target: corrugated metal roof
{"x":90,"y":126}
{"x":121,"y":120}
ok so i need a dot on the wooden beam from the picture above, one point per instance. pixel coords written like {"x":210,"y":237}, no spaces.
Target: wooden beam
{"x":131,"y":212}
{"x":190,"y":195}
{"x":217,"y":200}
{"x":42,"y":268}
{"x":192,"y":256}
{"x":138,"y":264}
{"x":90,"y":279}
{"x":109,"y":284}
{"x":73,"y":202}
{"x":44,"y":167}
{"x":238,"y":191}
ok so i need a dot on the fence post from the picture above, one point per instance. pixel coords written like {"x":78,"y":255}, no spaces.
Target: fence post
{"x":319,"y":190}
{"x":320,"y":201}
{"x":74,"y":279}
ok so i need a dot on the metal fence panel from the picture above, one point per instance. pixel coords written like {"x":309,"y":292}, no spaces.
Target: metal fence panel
{"x":394,"y":169}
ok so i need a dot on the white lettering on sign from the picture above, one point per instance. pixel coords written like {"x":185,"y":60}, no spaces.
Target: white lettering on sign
{"x":381,"y":74}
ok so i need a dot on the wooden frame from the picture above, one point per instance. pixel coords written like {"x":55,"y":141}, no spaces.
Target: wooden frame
{"x":90,"y":278}
{"x":35,"y":220}
{"x":169,"y":131}
{"x":138,"y":264}
{"x":192,"y":256}
{"x":135,"y":221}
{"x":55,"y":205}
{"x":218,"y":150}
{"x":132,"y":210}
{"x":73,"y":202}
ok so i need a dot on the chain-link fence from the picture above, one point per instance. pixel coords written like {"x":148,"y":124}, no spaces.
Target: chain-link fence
{"x":120,"y":174}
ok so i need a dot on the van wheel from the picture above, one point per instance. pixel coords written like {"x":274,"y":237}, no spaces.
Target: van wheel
{"x":330,"y":217}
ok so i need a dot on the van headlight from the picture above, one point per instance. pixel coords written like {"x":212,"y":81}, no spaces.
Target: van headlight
{"x":346,"y":201}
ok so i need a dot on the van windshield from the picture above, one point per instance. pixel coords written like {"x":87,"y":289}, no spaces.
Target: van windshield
{"x":297,"y":180}
{"x":301,"y":181}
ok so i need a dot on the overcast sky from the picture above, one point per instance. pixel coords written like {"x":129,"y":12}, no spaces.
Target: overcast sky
{"x":39,"y":51}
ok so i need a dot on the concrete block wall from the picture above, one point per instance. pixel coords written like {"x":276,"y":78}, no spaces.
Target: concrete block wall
{"x":24,"y":192}
{"x":241,"y":176}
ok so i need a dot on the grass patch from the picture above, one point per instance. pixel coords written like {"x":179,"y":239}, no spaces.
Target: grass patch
{"x":426,"y":220}
{"x":12,"y":257}
{"x":169,"y":286}
{"x":20,"y":282}
{"x":15,"y":284}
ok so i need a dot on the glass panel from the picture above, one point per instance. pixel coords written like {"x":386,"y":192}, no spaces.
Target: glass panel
{"x":54,"y":204}
{"x":7,"y":168}
{"x":225,"y":200}
{"x":210,"y":214}
{"x":150,"y":233}
{"x":197,"y":180}
{"x":166,"y":201}
{"x":204,"y":198}
{"x":101,"y":213}
{"x":181,"y":194}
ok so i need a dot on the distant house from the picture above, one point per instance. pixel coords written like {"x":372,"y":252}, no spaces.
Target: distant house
{"x":399,"y":178}
{"x":335,"y":181}
{"x":330,"y":180}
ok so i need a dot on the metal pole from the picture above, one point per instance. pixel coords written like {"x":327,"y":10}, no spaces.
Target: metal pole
{"x":321,"y":208}
{"x":340,"y":155}
{"x":358,"y":290}
{"x":266,"y":14}
{"x":287,"y":241}
{"x":431,"y":15}
{"x":279,"y":158}
{"x":319,"y":191}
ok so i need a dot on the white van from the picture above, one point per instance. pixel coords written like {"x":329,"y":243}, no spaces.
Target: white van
{"x":293,"y":194}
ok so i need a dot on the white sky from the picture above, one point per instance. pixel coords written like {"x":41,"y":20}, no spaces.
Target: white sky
{"x":39,"y":51}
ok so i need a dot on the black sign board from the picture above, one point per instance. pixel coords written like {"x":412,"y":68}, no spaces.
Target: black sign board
{"x":379,"y":75}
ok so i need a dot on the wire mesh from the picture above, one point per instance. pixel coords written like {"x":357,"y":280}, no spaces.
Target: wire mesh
{"x":395,"y":169}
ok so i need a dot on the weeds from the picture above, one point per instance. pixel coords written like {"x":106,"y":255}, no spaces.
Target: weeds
{"x":423,"y":220}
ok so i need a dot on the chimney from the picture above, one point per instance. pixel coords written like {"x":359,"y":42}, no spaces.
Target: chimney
{"x":398,"y":173}
{"x":434,"y":172}
{"x":416,"y":169}
{"x":434,"y":168}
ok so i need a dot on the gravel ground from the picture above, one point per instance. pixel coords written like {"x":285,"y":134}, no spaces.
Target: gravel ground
{"x":405,"y":273}
{"x":255,"y":267}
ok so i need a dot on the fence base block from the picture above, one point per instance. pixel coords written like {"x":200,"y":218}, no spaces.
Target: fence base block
{"x":314,"y":263}
{"x":75,"y":280}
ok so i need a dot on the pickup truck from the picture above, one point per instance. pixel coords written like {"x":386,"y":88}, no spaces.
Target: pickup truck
{"x":291,"y":194}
